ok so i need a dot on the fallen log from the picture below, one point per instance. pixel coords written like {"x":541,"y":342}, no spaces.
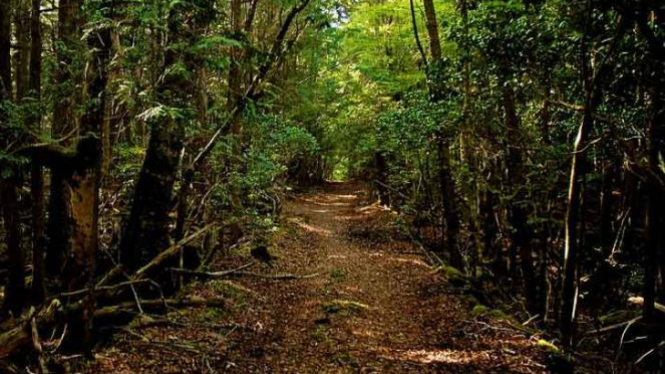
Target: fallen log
{"x":22,"y":335}
{"x":132,"y":307}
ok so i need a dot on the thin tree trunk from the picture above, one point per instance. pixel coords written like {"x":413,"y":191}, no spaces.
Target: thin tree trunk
{"x":414,"y":24}
{"x":654,"y":206}
{"x":15,"y":290}
{"x":36,"y":174}
{"x":445,"y":176}
{"x":521,"y":233}
{"x":21,"y":57}
{"x":235,"y":73}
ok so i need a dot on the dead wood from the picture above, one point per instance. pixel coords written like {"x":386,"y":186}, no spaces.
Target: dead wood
{"x":218,"y":274}
{"x":22,"y":336}
{"x":276,"y":276}
{"x":169,"y":252}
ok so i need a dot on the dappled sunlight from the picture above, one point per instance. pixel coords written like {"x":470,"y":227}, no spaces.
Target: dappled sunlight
{"x":353,"y":289}
{"x":319,"y":203}
{"x":345,"y":218}
{"x":364,"y":333}
{"x":309,"y":228}
{"x":444,"y":356}
{"x":413,"y":261}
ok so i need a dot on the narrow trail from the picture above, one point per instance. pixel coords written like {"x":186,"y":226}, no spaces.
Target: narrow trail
{"x":374,"y":306}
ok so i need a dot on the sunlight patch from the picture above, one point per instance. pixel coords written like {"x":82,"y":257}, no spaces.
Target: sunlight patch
{"x":310,"y":228}
{"x":411,"y":261}
{"x":437,"y":356}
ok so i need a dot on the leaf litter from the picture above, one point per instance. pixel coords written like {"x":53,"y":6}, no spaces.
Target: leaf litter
{"x":375,"y":307}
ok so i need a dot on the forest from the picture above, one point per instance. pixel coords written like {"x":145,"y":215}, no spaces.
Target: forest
{"x":332,"y":186}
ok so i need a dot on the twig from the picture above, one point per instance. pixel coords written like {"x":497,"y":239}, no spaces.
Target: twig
{"x":218,"y":274}
{"x":99,"y":289}
{"x":277,"y":276}
{"x":615,"y":326}
{"x":136,"y":298}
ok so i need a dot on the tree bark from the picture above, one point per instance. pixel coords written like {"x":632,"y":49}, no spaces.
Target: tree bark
{"x":147,"y":229}
{"x":21,"y":57}
{"x":235,"y":72}
{"x":9,"y":183}
{"x":447,"y":184}
{"x":521,"y":235}
{"x":59,"y":225}
{"x":36,"y":175}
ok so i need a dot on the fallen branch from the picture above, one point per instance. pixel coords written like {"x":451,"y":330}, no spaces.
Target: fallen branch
{"x":97,"y":290}
{"x":276,"y":276}
{"x":615,"y":326}
{"x":240,"y":272}
{"x":169,"y":252}
{"x":217,"y":274}
{"x":22,"y":336}
{"x":131,"y":306}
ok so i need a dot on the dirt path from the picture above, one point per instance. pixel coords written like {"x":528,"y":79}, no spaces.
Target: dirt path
{"x":374,"y":307}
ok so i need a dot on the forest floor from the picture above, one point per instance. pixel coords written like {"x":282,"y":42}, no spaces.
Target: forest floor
{"x":372,"y":306}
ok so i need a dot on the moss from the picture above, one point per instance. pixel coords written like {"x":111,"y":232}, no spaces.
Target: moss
{"x":548,"y":346}
{"x":343,"y":307}
{"x":209,"y":314}
{"x":617,"y":317}
{"x":338,"y":274}
{"x":231,"y":290}
{"x":499,"y":314}
{"x":482,"y":310}
{"x":141,"y":320}
{"x":479,"y":310}
{"x":449,"y":272}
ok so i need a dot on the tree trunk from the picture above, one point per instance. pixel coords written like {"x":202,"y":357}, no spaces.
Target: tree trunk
{"x":21,"y":57}
{"x":147,"y":229}
{"x":59,"y":225}
{"x":521,"y":235}
{"x":9,"y":183}
{"x":570,"y":274}
{"x":235,"y":73}
{"x":5,"y":54}
{"x":36,"y":175}
{"x":654,"y":206}
{"x":15,"y":291}
{"x":445,"y":175}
